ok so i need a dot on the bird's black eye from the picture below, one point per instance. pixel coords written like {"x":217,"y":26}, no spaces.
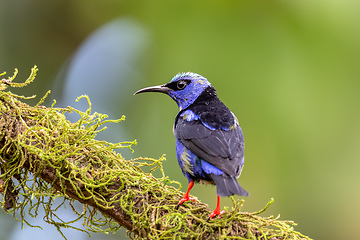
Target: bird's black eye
{"x":181,"y":84}
{"x":178,"y":85}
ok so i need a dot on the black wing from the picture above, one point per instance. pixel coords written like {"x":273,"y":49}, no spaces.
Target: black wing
{"x":223,"y":149}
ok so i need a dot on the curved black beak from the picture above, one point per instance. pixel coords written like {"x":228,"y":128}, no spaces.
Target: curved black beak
{"x":161,"y":88}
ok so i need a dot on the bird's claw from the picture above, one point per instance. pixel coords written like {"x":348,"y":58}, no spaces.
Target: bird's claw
{"x":215,"y":213}
{"x":185,"y":199}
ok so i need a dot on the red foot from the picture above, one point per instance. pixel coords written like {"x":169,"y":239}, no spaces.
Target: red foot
{"x":217,"y":210}
{"x":185,"y":199}
{"x":215,"y":213}
{"x":186,"y":195}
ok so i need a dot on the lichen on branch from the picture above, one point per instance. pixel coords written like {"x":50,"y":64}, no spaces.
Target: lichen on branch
{"x":43,"y":156}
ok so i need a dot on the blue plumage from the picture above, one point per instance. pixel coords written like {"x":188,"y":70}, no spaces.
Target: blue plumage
{"x":209,"y":140}
{"x":193,"y":167}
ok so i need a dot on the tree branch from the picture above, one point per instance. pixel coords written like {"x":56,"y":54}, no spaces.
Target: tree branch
{"x":43,"y":156}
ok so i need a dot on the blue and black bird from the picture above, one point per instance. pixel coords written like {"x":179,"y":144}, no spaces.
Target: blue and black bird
{"x":209,"y":140}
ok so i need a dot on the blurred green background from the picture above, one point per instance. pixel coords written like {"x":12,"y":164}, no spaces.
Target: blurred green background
{"x":289,"y":70}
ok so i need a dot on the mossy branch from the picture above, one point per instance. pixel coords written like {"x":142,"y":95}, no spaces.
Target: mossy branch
{"x":43,"y":156}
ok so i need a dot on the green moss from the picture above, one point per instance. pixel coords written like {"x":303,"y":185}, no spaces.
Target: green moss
{"x":43,"y":156}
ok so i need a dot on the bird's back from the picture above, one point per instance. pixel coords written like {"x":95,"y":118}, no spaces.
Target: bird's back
{"x":212,"y":133}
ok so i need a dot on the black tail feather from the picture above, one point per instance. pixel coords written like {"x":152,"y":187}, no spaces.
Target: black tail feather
{"x":228,"y":185}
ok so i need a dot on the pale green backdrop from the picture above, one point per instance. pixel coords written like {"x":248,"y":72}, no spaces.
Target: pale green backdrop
{"x":289,"y":70}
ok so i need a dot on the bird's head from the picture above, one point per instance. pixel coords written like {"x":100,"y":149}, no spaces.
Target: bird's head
{"x":184,"y":88}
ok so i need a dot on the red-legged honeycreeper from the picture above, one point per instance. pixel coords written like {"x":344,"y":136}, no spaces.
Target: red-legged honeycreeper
{"x":209,"y":140}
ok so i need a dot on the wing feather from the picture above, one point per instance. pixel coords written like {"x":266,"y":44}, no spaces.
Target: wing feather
{"x":221,"y":148}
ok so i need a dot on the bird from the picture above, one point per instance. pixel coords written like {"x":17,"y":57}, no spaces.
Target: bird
{"x":208,"y":138}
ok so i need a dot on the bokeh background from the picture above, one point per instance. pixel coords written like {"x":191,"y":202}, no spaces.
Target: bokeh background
{"x":289,"y":70}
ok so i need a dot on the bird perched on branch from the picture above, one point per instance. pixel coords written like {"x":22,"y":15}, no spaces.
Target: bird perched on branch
{"x":209,"y":140}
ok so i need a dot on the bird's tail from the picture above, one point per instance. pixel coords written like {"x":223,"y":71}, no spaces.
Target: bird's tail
{"x":228,"y":185}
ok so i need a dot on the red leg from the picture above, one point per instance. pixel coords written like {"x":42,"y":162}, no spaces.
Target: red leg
{"x":217,"y":210}
{"x":186,"y":195}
